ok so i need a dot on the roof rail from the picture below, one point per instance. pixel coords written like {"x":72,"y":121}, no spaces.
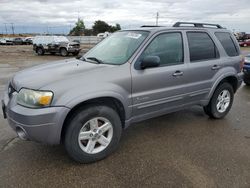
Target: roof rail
{"x":182,"y":24}
{"x":150,"y":26}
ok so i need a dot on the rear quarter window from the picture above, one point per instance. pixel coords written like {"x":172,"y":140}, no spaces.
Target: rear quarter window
{"x":227,"y":42}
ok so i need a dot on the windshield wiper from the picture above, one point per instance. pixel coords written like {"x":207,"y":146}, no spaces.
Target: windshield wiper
{"x":95,"y":59}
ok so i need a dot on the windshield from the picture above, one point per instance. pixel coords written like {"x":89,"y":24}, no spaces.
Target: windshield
{"x":117,"y":48}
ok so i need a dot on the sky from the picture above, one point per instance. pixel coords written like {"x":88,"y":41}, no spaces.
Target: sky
{"x":58,"y":16}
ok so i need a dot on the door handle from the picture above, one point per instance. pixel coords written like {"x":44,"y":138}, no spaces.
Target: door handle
{"x":178,"y":73}
{"x":215,"y":67}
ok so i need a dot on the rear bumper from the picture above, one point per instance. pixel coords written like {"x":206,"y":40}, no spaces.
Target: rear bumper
{"x":240,"y":79}
{"x":42,"y":125}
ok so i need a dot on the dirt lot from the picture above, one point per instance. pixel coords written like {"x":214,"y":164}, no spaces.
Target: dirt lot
{"x":183,"y":149}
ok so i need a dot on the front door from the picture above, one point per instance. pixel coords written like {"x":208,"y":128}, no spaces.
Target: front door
{"x":162,"y":88}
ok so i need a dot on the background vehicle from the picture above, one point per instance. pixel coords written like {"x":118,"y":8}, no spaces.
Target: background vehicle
{"x":55,"y":44}
{"x":18,"y":41}
{"x":6,"y":41}
{"x":245,"y":43}
{"x":28,"y":40}
{"x":130,"y":76}
{"x":2,"y":41}
{"x":246,"y":70}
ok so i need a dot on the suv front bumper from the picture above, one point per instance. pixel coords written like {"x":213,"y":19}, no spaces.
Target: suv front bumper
{"x":42,"y":125}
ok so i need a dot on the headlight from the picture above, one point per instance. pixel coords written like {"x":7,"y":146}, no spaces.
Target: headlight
{"x":33,"y":99}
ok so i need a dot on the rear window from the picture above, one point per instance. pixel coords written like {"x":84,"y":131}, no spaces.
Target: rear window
{"x":201,"y":46}
{"x":227,"y":43}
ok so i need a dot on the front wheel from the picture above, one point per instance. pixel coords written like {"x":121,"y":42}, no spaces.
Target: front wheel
{"x":92,"y":133}
{"x":221,"y":101}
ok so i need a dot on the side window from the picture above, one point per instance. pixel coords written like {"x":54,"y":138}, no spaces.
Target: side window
{"x":227,"y":43}
{"x":168,"y":47}
{"x":201,"y":46}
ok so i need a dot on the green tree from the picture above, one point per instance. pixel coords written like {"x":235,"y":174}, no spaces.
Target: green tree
{"x":100,"y":27}
{"x":78,"y":29}
{"x":88,"y":32}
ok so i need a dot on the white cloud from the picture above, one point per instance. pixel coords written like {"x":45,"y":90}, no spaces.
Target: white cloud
{"x":230,"y":13}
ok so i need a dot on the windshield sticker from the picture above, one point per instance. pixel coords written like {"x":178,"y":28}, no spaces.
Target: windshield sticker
{"x":133,"y":35}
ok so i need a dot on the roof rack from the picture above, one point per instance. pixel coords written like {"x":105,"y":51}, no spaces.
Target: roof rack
{"x":150,"y":26}
{"x":207,"y":25}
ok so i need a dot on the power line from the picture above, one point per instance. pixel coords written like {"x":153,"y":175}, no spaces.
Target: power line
{"x":6,"y":31}
{"x":13,"y":28}
{"x":157,"y":17}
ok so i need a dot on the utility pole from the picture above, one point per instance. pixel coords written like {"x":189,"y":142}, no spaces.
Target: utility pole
{"x":6,"y":28}
{"x":13,"y":28}
{"x":157,"y":17}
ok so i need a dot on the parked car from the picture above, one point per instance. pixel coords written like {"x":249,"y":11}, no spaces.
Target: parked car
{"x":55,"y":44}
{"x":245,"y":43}
{"x":246,"y":70}
{"x":103,"y":35}
{"x":130,"y":76}
{"x":2,"y":41}
{"x":6,"y":41}
{"x":18,"y":41}
{"x":28,"y":40}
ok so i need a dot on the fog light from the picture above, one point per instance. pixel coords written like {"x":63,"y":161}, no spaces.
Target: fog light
{"x":21,"y":133}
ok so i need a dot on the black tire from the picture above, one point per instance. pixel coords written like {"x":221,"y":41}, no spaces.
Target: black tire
{"x":75,"y":124}
{"x":75,"y":53}
{"x":64,"y":52}
{"x":211,"y":109}
{"x":246,"y":79}
{"x":39,"y":51}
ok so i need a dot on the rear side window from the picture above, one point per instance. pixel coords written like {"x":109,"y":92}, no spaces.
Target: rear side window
{"x":227,"y":43}
{"x":201,"y":46}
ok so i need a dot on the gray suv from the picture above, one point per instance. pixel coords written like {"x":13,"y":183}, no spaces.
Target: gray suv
{"x":131,"y":76}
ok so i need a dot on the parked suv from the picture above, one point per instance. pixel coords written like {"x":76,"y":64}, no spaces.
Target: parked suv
{"x":131,"y":76}
{"x":55,"y":44}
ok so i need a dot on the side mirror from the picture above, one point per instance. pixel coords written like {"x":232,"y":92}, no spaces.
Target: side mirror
{"x":150,"y":61}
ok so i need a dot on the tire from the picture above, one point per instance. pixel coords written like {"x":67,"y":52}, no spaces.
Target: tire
{"x":246,"y":80}
{"x":75,"y":53}
{"x":64,"y":52}
{"x":39,"y":51}
{"x":225,"y":104}
{"x":79,"y":122}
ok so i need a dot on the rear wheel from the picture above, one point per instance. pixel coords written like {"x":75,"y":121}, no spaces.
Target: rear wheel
{"x":221,"y":101}
{"x":92,"y":133}
{"x":39,"y":51}
{"x":64,"y":52}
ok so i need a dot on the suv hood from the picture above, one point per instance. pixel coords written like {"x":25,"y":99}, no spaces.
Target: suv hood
{"x":43,"y":75}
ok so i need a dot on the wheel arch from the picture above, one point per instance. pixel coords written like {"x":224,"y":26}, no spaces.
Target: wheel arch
{"x":112,"y":102}
{"x":231,"y":79}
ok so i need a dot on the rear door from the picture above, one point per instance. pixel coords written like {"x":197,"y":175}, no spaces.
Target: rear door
{"x":204,"y":62}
